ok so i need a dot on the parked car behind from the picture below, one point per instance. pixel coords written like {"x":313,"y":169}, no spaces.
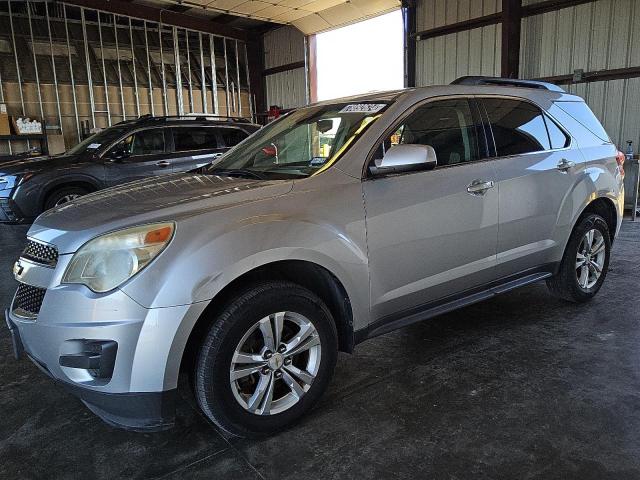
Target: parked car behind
{"x":336,"y":223}
{"x":127,"y":151}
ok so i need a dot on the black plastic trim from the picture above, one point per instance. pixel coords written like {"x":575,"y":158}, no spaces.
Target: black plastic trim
{"x":454,"y":302}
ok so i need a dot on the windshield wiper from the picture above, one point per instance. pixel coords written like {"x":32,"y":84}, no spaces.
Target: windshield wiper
{"x":236,"y":172}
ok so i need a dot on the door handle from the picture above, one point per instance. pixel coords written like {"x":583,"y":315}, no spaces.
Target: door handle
{"x":479,"y":187}
{"x":564,"y":165}
{"x":163,"y":164}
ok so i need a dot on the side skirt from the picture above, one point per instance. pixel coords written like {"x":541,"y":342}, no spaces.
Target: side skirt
{"x":453,"y":302}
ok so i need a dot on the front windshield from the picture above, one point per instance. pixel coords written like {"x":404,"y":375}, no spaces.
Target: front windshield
{"x":300,"y":144}
{"x":97,"y":140}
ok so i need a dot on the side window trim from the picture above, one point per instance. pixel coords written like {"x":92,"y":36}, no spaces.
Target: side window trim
{"x":545,"y":116}
{"x":366,"y":175}
{"x":135,"y":132}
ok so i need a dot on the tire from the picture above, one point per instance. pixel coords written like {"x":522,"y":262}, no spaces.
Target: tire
{"x":569,"y":283}
{"x":62,"y":195}
{"x":235,"y":406}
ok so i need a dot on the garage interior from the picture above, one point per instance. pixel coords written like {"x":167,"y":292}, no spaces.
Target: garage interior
{"x":494,"y":390}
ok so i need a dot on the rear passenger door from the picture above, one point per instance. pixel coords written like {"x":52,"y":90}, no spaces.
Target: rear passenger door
{"x":195,"y":147}
{"x":536,"y":170}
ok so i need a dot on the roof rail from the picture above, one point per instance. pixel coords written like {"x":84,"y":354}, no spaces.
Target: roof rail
{"x":507,"y":82}
{"x":197,"y":116}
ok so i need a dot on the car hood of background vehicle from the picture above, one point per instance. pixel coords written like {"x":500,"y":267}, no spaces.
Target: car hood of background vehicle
{"x":169,"y":197}
{"x":35,"y":164}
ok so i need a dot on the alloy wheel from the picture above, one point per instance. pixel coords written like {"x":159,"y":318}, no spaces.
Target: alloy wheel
{"x":275,"y":363}
{"x":590,"y":258}
{"x":67,"y":199}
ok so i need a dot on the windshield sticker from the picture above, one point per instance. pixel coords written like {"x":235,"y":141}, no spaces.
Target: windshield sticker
{"x":363,"y":108}
{"x":93,"y":146}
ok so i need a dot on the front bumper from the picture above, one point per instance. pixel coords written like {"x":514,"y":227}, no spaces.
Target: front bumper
{"x":139,"y":393}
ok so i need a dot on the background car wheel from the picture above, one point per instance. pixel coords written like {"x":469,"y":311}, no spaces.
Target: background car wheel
{"x":63,"y":195}
{"x":266,"y":360}
{"x":585,"y":262}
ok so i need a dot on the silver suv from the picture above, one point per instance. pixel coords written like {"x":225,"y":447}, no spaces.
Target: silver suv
{"x":339,"y":222}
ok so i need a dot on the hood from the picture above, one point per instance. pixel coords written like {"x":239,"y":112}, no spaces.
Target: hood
{"x":155,"y":199}
{"x":33,"y":164}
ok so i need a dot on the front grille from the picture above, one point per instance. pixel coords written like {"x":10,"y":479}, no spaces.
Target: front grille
{"x":40,"y":253}
{"x":28,"y":300}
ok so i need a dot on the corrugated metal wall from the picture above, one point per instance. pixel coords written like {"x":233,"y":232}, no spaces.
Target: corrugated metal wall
{"x":281,"y":47}
{"x":473,"y":52}
{"x":600,"y":35}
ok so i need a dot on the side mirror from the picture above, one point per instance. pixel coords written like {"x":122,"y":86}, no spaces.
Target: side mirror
{"x":406,"y":158}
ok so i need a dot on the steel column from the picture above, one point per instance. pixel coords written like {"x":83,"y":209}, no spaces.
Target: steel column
{"x":246,"y":66}
{"x":511,"y":26}
{"x":86,"y":57}
{"x":115,"y":33}
{"x":178,"y":73}
{"x":135,"y":76}
{"x":214,"y":75}
{"x":226,"y":76}
{"x":53,"y":67}
{"x":186,"y":36}
{"x":203,"y":86}
{"x":104,"y":71}
{"x":35,"y":62}
{"x":146,"y":45}
{"x":164,"y":78}
{"x":73,"y":83}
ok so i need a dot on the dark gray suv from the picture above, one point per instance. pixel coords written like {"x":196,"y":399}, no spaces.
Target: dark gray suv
{"x":126,"y":151}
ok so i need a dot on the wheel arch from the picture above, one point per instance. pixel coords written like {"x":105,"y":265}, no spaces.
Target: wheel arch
{"x":87,"y":183}
{"x":606,"y":208}
{"x":307,"y":274}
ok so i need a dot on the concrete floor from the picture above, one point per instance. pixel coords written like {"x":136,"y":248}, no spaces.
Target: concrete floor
{"x":521,"y":386}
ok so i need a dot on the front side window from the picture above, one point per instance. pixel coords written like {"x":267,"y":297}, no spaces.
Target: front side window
{"x":302,"y":143}
{"x":232,"y":136}
{"x":145,"y":142}
{"x":446,"y":125}
{"x":518,"y":127}
{"x":187,"y":138}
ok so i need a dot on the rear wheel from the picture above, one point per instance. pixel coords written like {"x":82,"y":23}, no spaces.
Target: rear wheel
{"x":63,"y":195}
{"x":266,"y":359}
{"x":585,"y":262}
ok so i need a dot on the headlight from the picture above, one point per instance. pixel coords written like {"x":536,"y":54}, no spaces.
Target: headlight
{"x":109,"y":260}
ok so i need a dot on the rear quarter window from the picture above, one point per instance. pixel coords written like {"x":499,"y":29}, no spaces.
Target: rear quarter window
{"x":582,"y":114}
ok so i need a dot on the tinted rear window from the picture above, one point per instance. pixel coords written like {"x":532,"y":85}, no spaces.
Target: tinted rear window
{"x":581,"y":112}
{"x":232,"y":136}
{"x":518,"y":127}
{"x":188,"y":138}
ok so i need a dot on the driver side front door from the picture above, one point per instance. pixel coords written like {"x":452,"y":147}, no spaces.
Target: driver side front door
{"x":140,"y":155}
{"x":432,"y":235}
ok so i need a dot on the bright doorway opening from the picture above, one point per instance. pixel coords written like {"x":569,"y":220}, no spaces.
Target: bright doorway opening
{"x":364,"y":57}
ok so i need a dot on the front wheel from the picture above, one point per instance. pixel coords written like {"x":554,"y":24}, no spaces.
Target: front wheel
{"x":63,"y":195}
{"x":585,"y":262}
{"x":266,"y":359}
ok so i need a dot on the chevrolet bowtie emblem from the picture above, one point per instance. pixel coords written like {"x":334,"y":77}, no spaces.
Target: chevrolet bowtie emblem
{"x":17,"y":269}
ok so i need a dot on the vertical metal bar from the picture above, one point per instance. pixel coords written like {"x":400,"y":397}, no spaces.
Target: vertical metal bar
{"x":115,"y":33}
{"x":307,"y":90}
{"x":86,"y":57}
{"x":15,"y":55}
{"x":73,"y":83}
{"x":2,"y":101}
{"x":176,"y":56}
{"x":202,"y":76}
{"x":238,"y":76}
{"x":164,"y":78}
{"x":104,"y":71}
{"x":135,"y":76}
{"x":246,"y":65}
{"x":214,"y":75}
{"x":146,"y":46}
{"x":35,"y":62}
{"x":226,"y":75}
{"x":186,"y":35}
{"x":53,"y":66}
